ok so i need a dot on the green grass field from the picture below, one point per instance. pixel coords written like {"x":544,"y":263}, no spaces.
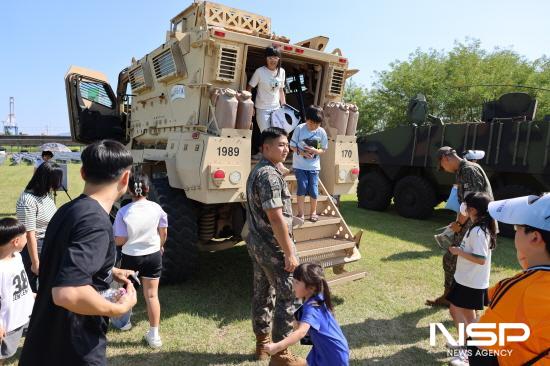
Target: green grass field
{"x":206,"y":321}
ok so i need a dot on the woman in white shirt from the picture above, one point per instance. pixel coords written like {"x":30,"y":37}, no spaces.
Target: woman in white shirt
{"x":141,"y":228}
{"x":270,"y":83}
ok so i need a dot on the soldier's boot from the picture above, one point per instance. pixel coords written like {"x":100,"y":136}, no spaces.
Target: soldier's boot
{"x":286,"y":358}
{"x":440,"y":301}
{"x":262,"y":340}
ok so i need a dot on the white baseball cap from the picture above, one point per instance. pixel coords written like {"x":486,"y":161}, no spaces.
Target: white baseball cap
{"x":473,"y":154}
{"x":532,"y":211}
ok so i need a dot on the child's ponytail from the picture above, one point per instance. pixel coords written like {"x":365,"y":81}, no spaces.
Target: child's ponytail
{"x":326,"y":294}
{"x":139,"y":184}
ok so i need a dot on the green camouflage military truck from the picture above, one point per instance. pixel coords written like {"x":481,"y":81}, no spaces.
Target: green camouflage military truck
{"x":400,"y":164}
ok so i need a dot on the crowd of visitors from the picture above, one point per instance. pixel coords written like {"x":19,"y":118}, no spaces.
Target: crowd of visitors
{"x":57,"y":266}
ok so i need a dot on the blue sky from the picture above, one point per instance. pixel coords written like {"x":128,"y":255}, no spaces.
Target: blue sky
{"x":41,"y":41}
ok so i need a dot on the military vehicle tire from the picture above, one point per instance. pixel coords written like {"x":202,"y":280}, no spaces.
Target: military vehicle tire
{"x":374,"y":191}
{"x":414,"y":197}
{"x":505,"y":192}
{"x":180,"y":258}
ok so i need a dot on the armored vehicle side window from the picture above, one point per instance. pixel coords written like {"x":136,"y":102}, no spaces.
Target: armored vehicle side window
{"x":179,"y":26}
{"x":96,"y":93}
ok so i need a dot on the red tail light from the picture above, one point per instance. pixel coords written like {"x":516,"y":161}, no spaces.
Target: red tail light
{"x":219,"y":34}
{"x":298,"y":50}
{"x":343,"y":60}
{"x":218,"y":174}
{"x":355,"y":171}
{"x":287,"y":48}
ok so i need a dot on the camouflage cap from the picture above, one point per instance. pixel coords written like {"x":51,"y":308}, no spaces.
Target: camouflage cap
{"x":444,"y":151}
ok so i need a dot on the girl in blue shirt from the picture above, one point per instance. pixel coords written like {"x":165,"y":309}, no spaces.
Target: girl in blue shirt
{"x":316,"y":323}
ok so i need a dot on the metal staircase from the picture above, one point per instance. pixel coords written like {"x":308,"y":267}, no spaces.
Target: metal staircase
{"x":329,"y":241}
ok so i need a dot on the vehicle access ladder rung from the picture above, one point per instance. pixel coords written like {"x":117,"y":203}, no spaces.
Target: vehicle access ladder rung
{"x":328,"y":242}
{"x":322,"y":246}
{"x":346,"y":277}
{"x":322,"y":221}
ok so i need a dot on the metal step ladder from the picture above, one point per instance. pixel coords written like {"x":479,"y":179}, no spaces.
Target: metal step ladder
{"x":329,"y":241}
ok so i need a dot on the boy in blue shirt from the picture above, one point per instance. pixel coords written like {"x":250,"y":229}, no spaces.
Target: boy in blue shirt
{"x":309,"y":140}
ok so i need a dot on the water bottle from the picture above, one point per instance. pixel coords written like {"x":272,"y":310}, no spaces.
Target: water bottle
{"x":113,"y":294}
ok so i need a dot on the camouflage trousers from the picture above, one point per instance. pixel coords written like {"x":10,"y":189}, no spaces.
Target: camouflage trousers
{"x":449,"y":260}
{"x":273,"y":297}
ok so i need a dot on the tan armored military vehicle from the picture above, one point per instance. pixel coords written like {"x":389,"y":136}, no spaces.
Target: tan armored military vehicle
{"x":189,"y":128}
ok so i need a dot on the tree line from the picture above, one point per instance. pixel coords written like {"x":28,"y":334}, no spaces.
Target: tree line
{"x":455,"y":84}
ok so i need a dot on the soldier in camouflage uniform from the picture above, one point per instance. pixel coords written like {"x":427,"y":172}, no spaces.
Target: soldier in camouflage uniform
{"x":470,"y":177}
{"x":271,"y":248}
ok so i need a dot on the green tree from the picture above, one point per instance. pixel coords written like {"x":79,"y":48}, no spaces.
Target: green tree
{"x":455,"y":83}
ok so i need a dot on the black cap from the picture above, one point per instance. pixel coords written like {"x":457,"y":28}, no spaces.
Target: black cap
{"x":444,"y":151}
{"x":272,"y":51}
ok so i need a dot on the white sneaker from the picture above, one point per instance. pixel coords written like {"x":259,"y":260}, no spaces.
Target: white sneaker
{"x":154,"y":342}
{"x":461,"y":359}
{"x":128,"y":326}
{"x":458,"y":361}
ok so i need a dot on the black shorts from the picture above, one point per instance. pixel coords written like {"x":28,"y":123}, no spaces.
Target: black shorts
{"x":467,"y":297}
{"x":149,"y":266}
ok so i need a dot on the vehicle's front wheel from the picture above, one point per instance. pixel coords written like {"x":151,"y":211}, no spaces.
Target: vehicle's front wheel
{"x":180,"y":258}
{"x":414,"y":197}
{"x":374,"y":191}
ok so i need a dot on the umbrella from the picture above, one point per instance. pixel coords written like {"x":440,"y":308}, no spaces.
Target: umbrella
{"x":54,"y":147}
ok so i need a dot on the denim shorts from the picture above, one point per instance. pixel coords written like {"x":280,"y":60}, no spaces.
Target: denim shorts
{"x":308,"y":182}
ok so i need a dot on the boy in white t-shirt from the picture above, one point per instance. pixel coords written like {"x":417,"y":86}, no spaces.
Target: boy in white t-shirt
{"x":16,"y":297}
{"x":141,"y":228}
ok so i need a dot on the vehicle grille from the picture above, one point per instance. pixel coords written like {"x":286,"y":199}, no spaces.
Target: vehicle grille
{"x":164,"y":65}
{"x":137,"y":79}
{"x":227,"y":63}
{"x":337,"y":82}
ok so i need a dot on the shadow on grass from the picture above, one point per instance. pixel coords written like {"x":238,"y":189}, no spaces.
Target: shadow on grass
{"x":420,"y":232}
{"x":408,"y":356}
{"x":179,"y":358}
{"x":399,"y":330}
{"x":221,"y":290}
{"x":410,"y":255}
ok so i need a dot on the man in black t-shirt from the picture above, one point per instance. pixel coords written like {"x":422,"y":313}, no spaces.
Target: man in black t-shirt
{"x":70,"y":317}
